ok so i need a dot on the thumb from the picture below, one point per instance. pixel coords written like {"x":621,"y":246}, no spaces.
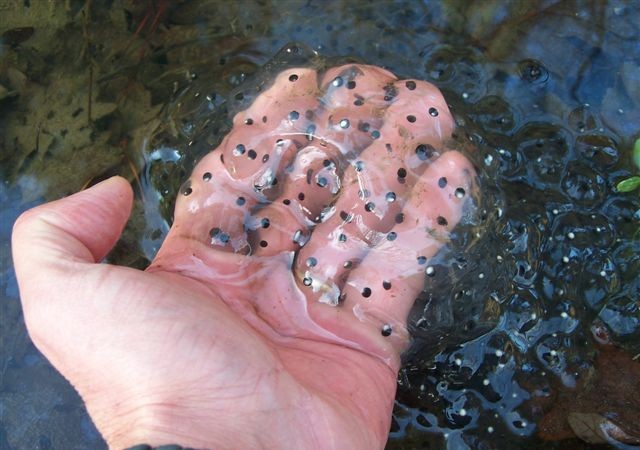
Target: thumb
{"x":81,"y":228}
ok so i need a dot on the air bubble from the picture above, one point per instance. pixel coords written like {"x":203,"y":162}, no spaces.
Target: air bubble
{"x":311,"y":261}
{"x":293,"y":77}
{"x":392,"y":236}
{"x":459,"y":192}
{"x":411,"y":85}
{"x":344,"y":124}
{"x":425,"y":151}
{"x":386,"y":330}
{"x":433,"y":112}
{"x":299,"y":239}
{"x":430,"y":271}
{"x":488,"y":160}
{"x":207,"y":176}
{"x":366,"y":292}
{"x":217,"y":234}
{"x":390,"y":197}
{"x":239,"y":150}
{"x":337,"y":81}
{"x":311,"y":129}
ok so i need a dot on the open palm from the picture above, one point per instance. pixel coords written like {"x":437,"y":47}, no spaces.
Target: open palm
{"x":274,"y":314}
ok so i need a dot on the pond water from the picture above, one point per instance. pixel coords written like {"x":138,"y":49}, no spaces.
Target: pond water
{"x":530,"y":332}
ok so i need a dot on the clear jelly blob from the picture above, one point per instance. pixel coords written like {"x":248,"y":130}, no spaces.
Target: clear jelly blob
{"x":344,"y":176}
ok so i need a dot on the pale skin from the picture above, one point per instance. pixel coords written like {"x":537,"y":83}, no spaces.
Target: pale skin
{"x":212,"y":347}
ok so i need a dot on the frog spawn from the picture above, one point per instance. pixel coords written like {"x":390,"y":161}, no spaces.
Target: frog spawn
{"x":347,"y":171}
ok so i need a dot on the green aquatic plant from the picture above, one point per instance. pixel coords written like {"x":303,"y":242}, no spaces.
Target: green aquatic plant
{"x":632,"y":183}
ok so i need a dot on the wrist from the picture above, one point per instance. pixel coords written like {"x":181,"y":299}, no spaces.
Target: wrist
{"x":155,"y":424}
{"x":199,"y":419}
{"x":162,"y":447}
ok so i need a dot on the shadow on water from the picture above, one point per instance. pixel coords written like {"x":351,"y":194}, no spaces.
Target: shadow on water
{"x":529,"y":333}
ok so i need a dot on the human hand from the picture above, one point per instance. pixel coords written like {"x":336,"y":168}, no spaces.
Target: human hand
{"x":246,"y":333}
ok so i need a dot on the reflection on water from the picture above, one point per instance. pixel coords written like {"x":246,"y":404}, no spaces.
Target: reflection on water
{"x":513,"y":338}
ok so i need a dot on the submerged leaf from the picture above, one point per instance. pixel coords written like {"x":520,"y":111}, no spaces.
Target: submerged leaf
{"x":628,"y":185}
{"x":603,"y":408}
{"x":596,"y":429}
{"x":588,"y":427}
{"x":54,"y":147}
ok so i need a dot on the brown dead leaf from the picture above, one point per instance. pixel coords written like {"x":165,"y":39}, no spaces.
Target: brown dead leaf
{"x":603,"y":407}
